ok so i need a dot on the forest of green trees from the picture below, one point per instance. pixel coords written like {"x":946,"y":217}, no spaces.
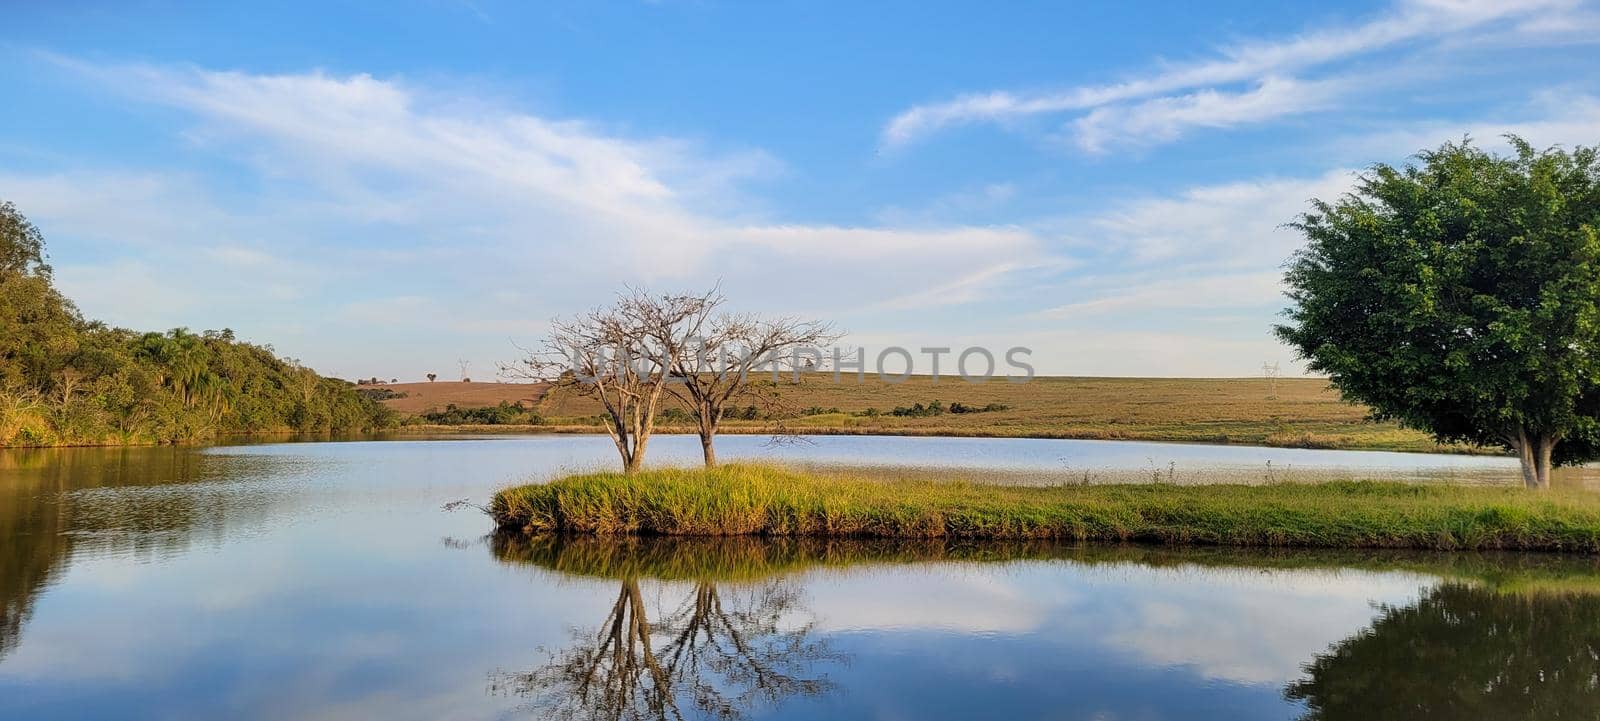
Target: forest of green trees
{"x":67,"y":380}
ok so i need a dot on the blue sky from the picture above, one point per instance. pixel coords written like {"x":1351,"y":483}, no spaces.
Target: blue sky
{"x":388,"y":188}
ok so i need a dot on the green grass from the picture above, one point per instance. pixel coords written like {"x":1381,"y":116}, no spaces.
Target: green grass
{"x":769,"y":501}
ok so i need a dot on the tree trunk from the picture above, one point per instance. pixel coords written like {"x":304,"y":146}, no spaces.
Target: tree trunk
{"x":1534,"y":452}
{"x":708,"y":432}
{"x":706,"y":449}
{"x":1547,"y":447}
{"x":640,"y":442}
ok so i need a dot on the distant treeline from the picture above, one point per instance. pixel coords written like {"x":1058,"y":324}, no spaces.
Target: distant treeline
{"x":67,"y":380}
{"x":504,"y":414}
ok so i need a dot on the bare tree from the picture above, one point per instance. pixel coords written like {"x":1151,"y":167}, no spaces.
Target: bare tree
{"x":712,"y":660}
{"x":619,"y":355}
{"x":727,"y":352}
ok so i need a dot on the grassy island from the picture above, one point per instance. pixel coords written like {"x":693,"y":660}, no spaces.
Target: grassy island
{"x":738,"y":500}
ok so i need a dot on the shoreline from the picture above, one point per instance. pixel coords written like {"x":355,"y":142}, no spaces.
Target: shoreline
{"x":580,"y":429}
{"x":767,"y":501}
{"x":1066,"y":435}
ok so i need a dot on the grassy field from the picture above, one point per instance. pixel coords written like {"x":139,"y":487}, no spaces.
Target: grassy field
{"x":1298,"y":412}
{"x":768,"y":501}
{"x":420,"y":397}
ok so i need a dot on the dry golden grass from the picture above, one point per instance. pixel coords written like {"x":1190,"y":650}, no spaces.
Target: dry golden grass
{"x":435,"y":396}
{"x":1302,"y":412}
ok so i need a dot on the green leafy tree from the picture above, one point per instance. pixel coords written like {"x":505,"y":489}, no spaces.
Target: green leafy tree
{"x":21,"y":244}
{"x":68,"y":380}
{"x":1461,"y":296}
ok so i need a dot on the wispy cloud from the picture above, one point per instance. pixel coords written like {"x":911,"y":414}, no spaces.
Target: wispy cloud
{"x":1227,"y":225}
{"x":1226,"y":290}
{"x":1166,"y":119}
{"x":1264,"y":64}
{"x":463,"y":196}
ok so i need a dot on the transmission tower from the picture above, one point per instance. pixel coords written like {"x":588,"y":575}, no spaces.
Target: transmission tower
{"x":1269,"y":370}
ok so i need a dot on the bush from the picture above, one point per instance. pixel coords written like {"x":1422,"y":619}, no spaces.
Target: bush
{"x":919,"y":411}
{"x":504,"y":414}
{"x":380,"y":394}
{"x":676,"y":415}
{"x":990,"y":408}
{"x":819,"y":411}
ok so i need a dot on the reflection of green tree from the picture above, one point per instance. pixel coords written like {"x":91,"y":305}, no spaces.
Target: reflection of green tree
{"x":1473,"y":648}
{"x":1464,"y":652}
{"x":57,"y":503}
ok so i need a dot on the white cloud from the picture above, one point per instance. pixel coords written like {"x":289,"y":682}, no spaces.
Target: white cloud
{"x":1230,"y":290}
{"x":953,"y":597}
{"x":1166,"y":119}
{"x":1178,"y":625}
{"x":1250,"y":62}
{"x":365,"y":182}
{"x":401,"y":154}
{"x":1225,"y":225}
{"x":1553,"y":117}
{"x":1222,"y":623}
{"x":127,"y":293}
{"x":391,"y":154}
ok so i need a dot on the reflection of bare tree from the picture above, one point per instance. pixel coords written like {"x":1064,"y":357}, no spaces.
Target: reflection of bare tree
{"x":707,"y":658}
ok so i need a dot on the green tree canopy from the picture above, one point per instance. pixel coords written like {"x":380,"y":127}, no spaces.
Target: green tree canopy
{"x":1461,"y":296}
{"x":67,"y":380}
{"x":21,"y":244}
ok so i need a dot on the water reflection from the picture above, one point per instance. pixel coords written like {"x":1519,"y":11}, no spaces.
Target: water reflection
{"x":1465,"y":652}
{"x":43,"y":520}
{"x":309,"y":581}
{"x":727,"y":649}
{"x":1502,"y":636}
{"x":57,"y":504}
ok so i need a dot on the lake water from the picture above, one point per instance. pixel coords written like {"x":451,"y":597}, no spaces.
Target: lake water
{"x":325,"y":581}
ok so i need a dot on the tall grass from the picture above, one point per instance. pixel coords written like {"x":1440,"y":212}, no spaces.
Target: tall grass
{"x":764,"y":500}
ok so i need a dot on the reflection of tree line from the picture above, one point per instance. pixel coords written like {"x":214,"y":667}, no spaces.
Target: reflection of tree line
{"x":1505,"y":637}
{"x":716,"y":655}
{"x":56,"y":503}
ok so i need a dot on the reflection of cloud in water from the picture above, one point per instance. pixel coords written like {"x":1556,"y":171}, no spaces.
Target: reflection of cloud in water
{"x":1237,"y":625}
{"x":1247,"y":626}
{"x":954,"y":597}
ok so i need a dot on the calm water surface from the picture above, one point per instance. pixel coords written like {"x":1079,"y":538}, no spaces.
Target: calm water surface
{"x":324,"y":581}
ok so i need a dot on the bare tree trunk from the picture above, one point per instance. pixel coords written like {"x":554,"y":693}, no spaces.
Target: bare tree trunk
{"x":706,"y":449}
{"x":708,"y":434}
{"x":640,"y":441}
